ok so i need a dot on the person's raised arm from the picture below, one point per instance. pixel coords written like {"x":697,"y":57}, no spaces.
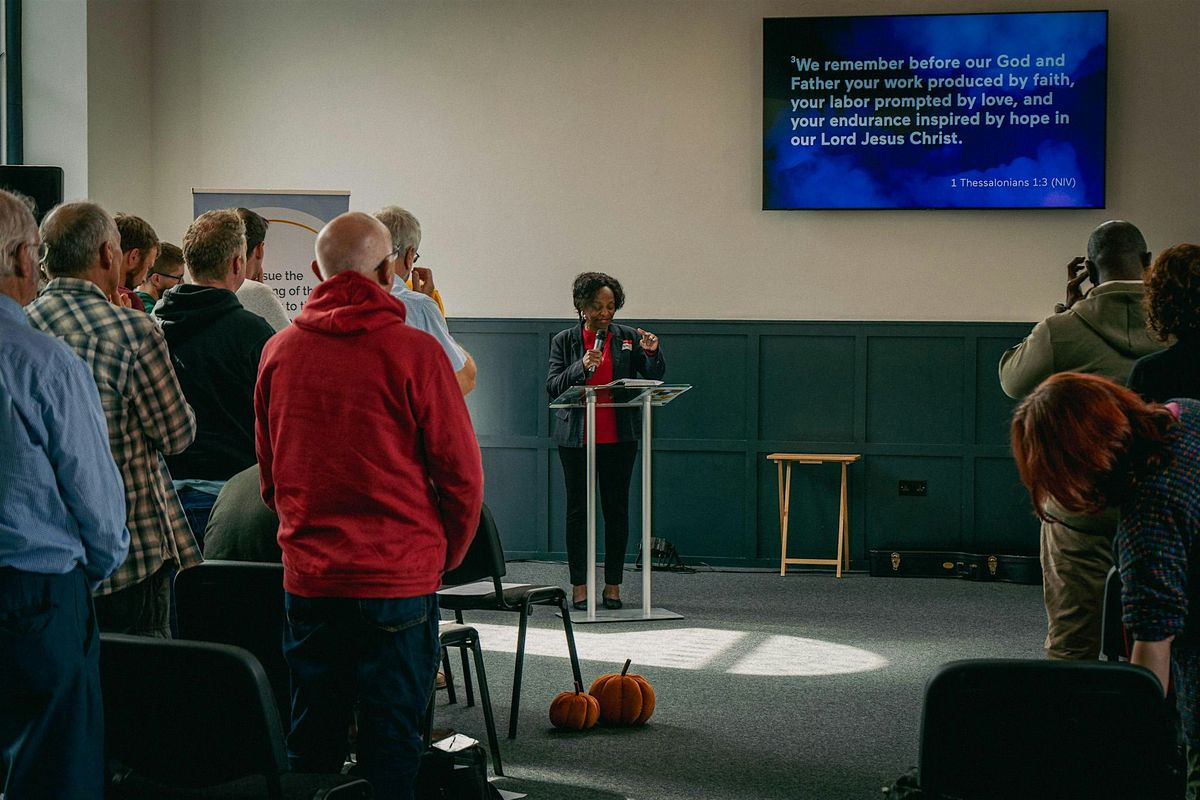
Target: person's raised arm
{"x":648,"y":358}
{"x":1027,"y":364}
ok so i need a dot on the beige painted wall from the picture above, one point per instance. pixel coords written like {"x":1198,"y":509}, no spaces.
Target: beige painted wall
{"x":538,"y":138}
{"x":54,"y":86}
{"x":121,"y":121}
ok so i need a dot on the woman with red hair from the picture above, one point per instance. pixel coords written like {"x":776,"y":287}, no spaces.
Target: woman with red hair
{"x":1082,"y":443}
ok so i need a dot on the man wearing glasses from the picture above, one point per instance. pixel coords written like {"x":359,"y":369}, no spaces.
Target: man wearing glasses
{"x":166,"y":273}
{"x":62,"y":529}
{"x":424,"y":312}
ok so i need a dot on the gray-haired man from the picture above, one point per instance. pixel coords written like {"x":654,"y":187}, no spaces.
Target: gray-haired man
{"x":62,"y":529}
{"x":144,"y":407}
{"x":423,"y":312}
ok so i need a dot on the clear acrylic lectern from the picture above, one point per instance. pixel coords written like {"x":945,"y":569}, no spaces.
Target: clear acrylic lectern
{"x":620,"y":394}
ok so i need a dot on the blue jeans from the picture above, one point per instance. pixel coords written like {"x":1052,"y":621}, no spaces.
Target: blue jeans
{"x":381,"y":653}
{"x":197,"y":507}
{"x":51,"y":714}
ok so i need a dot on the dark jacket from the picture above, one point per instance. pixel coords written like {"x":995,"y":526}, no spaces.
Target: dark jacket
{"x":241,"y":527}
{"x":566,"y":370}
{"x":1171,"y":373}
{"x":215,"y":348}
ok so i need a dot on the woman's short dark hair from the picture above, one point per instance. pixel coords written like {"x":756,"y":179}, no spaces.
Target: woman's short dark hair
{"x":1085,"y":442}
{"x":588,"y":284}
{"x":1173,"y":292}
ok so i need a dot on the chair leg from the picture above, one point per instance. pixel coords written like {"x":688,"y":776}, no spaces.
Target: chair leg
{"x":467,"y":678}
{"x":485,"y":700}
{"x":566,"y":618}
{"x":466,"y":665}
{"x":450,"y":694}
{"x":515,"y":708}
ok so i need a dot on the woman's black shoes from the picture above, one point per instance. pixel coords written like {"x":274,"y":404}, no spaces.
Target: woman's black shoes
{"x":611,"y":603}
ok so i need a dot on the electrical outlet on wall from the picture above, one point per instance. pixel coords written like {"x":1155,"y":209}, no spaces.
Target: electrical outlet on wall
{"x":913,"y":488}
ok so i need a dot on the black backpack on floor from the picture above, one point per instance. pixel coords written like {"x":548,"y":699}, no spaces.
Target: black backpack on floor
{"x":462,"y":775}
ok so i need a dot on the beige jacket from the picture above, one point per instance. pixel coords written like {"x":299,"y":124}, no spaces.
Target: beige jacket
{"x":1102,"y":334}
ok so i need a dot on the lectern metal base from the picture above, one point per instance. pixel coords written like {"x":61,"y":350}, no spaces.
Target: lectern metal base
{"x":623,"y":615}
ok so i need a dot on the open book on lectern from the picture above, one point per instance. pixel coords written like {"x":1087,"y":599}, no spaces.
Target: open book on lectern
{"x":631,"y":383}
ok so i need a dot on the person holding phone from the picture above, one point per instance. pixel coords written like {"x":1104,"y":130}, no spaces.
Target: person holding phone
{"x":1100,"y":332}
{"x":594,"y":352}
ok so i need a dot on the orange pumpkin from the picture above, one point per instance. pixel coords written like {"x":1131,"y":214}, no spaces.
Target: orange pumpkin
{"x":624,"y":699}
{"x":574,"y":710}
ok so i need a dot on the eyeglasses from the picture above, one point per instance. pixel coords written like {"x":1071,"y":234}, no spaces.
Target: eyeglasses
{"x":178,"y":277}
{"x":416,"y":256}
{"x":41,"y":248}
{"x":389,"y":257}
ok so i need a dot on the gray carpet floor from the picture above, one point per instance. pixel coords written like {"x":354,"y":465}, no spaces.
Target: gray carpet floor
{"x":771,"y":687}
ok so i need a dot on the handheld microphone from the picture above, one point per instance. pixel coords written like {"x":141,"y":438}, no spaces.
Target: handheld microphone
{"x":598,"y":347}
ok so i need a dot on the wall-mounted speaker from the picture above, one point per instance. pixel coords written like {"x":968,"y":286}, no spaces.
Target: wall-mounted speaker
{"x":43,"y":184}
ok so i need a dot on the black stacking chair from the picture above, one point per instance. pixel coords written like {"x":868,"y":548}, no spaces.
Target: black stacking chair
{"x":1064,"y":729}
{"x":1113,"y":644}
{"x":467,"y":638}
{"x":239,"y":603}
{"x":197,"y":720}
{"x":476,"y":586}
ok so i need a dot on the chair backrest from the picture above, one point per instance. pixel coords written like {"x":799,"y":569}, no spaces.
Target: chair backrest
{"x":188,"y":714}
{"x":238,"y":603}
{"x":1112,"y":637}
{"x":1078,"y":729}
{"x":485,"y":556}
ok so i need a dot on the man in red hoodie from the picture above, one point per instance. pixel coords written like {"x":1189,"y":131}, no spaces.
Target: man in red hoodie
{"x":368,"y":456}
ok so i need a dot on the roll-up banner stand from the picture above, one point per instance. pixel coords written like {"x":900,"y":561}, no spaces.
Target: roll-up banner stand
{"x":296,"y":217}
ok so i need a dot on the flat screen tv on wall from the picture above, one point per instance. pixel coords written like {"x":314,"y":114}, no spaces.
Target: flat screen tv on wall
{"x":935,"y":111}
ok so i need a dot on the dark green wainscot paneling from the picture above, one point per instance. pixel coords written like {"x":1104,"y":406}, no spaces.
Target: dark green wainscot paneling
{"x":919,"y":401}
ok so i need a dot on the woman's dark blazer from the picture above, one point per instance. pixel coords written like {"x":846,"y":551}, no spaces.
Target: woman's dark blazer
{"x":1170,"y":373}
{"x":566,"y":370}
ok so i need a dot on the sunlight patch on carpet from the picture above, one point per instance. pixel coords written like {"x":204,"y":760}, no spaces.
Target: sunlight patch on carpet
{"x":693,"y":648}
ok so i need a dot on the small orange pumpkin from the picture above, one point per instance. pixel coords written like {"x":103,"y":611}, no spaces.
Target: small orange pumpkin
{"x":624,"y":699}
{"x":575,"y":710}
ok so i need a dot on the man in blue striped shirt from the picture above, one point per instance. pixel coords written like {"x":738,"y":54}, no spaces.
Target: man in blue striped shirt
{"x":62,"y":531}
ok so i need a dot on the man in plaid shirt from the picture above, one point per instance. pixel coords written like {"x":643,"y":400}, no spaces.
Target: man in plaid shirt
{"x":145,"y":409}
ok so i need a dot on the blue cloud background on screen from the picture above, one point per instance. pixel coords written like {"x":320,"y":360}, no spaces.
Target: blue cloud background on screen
{"x":921,"y":175}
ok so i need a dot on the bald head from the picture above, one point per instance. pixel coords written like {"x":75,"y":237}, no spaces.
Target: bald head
{"x":352,"y":242}
{"x":1119,"y":251}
